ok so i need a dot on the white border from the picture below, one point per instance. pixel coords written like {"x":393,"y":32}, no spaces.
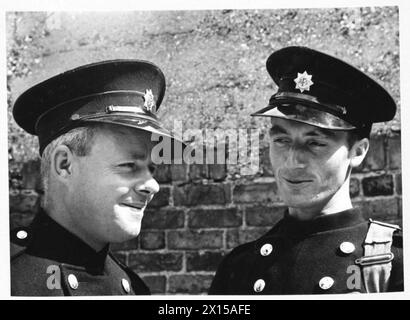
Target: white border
{"x":122,"y":5}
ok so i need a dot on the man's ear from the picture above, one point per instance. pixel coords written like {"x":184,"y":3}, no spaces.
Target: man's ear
{"x":62,"y":162}
{"x":358,"y":151}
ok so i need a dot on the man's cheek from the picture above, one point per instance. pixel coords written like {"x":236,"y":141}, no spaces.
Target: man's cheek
{"x":122,"y":190}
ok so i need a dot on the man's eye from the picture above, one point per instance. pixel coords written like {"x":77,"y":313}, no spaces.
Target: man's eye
{"x":281,"y":141}
{"x":316,"y":144}
{"x":128,"y":165}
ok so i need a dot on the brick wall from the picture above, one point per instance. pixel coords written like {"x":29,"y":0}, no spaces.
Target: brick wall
{"x":202,"y":212}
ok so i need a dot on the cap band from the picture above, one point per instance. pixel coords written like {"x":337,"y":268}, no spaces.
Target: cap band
{"x":334,"y":108}
{"x":308,"y":115}
{"x":85,"y":98}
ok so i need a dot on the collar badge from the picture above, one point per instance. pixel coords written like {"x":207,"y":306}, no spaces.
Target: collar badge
{"x":303,"y":81}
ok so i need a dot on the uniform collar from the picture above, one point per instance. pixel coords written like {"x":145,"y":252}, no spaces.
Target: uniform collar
{"x":290,"y":226}
{"x":52,"y":241}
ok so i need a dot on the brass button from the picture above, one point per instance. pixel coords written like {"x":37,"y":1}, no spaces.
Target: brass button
{"x":347,"y":247}
{"x":21,"y":234}
{"x":266,"y":249}
{"x":72,"y":281}
{"x":126,"y":285}
{"x":259,"y":285}
{"x":326,"y":283}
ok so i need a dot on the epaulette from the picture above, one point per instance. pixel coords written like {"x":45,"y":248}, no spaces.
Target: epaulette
{"x":376,"y":263}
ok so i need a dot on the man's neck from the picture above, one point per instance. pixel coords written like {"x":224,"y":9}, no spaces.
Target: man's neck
{"x":339,"y":202}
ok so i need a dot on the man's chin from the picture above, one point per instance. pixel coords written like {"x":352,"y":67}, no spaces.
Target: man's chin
{"x":128,"y":234}
{"x":302,"y":203}
{"x":131,"y":211}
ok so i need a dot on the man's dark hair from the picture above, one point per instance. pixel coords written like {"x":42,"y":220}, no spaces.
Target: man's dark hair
{"x":358,"y":134}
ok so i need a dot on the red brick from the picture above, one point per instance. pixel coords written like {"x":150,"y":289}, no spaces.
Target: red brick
{"x":253,"y":193}
{"x":354,"y":187}
{"x":398,"y":183}
{"x":123,"y":246}
{"x":383,"y":209}
{"x":198,"y":171}
{"x":203,"y":260}
{"x":121,"y":256}
{"x":154,"y":262}
{"x":25,"y":201}
{"x":18,"y":219}
{"x":217,"y":172}
{"x":156,"y":284}
{"x":236,"y":237}
{"x":163,"y":219}
{"x":197,"y":194}
{"x":163,"y":173}
{"x":375,"y":158}
{"x":195,"y":239}
{"x":261,"y":216}
{"x":189,"y":284}
{"x":161,"y":199}
{"x":152,"y":240}
{"x":31,"y":175}
{"x":378,"y":185}
{"x":179,"y":172}
{"x":208,"y":218}
{"x":394,"y":152}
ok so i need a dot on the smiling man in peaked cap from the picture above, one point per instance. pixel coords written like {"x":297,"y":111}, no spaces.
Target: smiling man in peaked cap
{"x":321,"y":119}
{"x":95,"y":125}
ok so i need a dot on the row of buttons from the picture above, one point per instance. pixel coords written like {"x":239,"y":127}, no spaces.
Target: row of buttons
{"x":345,"y":247}
{"x":325,"y":283}
{"x":72,"y":279}
{"x":73,"y":283}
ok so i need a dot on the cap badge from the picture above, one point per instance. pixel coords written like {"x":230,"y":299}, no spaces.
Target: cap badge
{"x":149,"y":103}
{"x":303,"y":81}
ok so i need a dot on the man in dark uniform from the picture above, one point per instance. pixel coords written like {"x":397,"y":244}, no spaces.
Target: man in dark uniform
{"x":95,"y":126}
{"x":321,"y":118}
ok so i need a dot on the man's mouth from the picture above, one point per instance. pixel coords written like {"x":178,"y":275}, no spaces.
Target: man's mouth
{"x":297,"y":181}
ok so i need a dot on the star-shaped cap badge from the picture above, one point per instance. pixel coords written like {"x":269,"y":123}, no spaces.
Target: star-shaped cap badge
{"x":303,"y":81}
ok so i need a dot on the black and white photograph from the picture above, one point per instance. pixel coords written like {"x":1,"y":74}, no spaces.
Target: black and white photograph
{"x":223,"y":152}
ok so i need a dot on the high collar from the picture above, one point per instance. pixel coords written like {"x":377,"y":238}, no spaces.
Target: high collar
{"x":290,"y":226}
{"x":50,"y":240}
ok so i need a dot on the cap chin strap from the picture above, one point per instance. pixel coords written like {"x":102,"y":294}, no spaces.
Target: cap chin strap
{"x":376,"y":262}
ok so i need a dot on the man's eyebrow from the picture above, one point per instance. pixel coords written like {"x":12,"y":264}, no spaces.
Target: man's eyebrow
{"x":276,"y":129}
{"x":321,"y":132}
{"x":138,"y":155}
{"x":316,"y":132}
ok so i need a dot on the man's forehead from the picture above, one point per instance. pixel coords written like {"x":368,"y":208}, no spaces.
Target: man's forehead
{"x":125,"y":132}
{"x":287,"y":126}
{"x":131,"y":142}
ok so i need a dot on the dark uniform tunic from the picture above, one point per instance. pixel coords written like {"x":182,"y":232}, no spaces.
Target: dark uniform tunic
{"x":48,"y":260}
{"x":297,"y":257}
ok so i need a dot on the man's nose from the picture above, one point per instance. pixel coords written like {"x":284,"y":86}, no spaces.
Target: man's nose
{"x":148,"y":188}
{"x":295,"y":158}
